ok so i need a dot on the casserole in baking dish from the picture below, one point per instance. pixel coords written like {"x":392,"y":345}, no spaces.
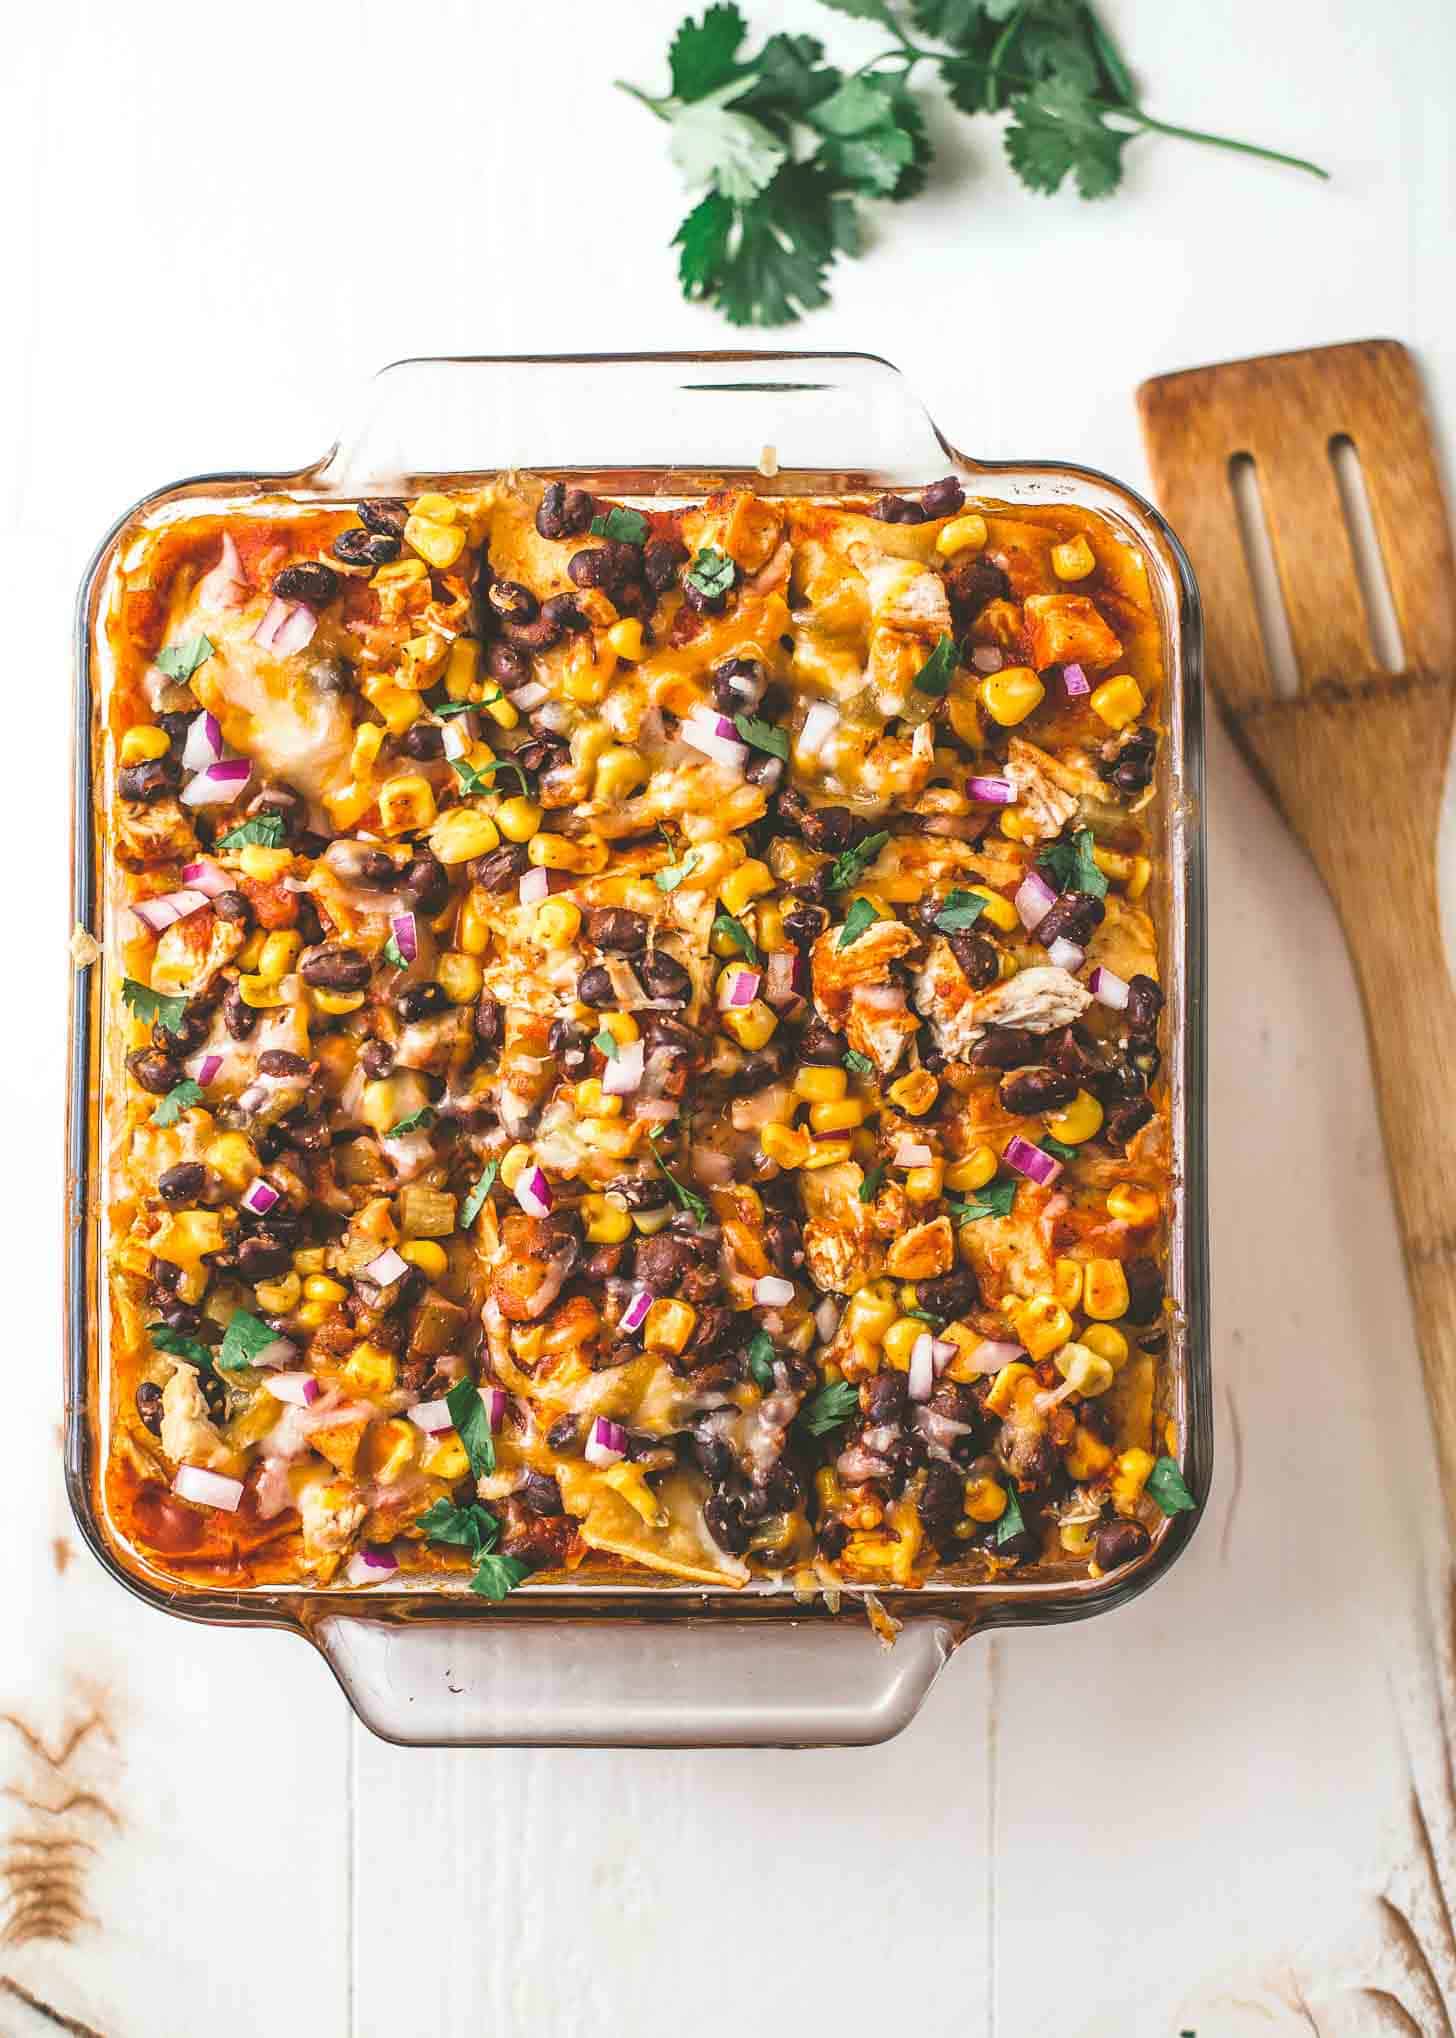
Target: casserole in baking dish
{"x":633,"y":1043}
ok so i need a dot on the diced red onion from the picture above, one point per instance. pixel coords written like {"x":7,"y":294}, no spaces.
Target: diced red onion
{"x":942,"y":1350}
{"x":495,"y":1405}
{"x":986,"y":658}
{"x":206,"y":877}
{"x":430,"y":1416}
{"x":406,"y":936}
{"x":218,"y":784}
{"x":994,"y":792}
{"x":770,"y":774}
{"x":773,"y":1291}
{"x":1075,"y":680}
{"x":921,"y":1381}
{"x":1108,"y":988}
{"x":557,"y":716}
{"x":208,"y":1489}
{"x":826,"y":1318}
{"x":286,"y":627}
{"x":530,"y":696}
{"x":713,"y":735}
{"x":282,"y":1352}
{"x":454,"y":738}
{"x":819,"y":724}
{"x":1034,"y":899}
{"x":712,"y":1166}
{"x":1064,"y":954}
{"x":1032,"y":1161}
{"x":371,"y":1564}
{"x":740,"y":987}
{"x":259,"y":1197}
{"x":912,"y":1153}
{"x":223,"y":586}
{"x":387,"y":1268}
{"x":994,"y":1353}
{"x":607,"y":1443}
{"x":657,"y":1110}
{"x":160,"y":913}
{"x":204,"y":742}
{"x":534,"y":886}
{"x":299,"y":1388}
{"x":533,"y":1192}
{"x":786,"y":979}
{"x":205,"y":1068}
{"x":635,"y":1314}
{"x":623,"y":1075}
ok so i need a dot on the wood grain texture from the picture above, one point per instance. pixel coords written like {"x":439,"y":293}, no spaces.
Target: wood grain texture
{"x":1356,"y":759}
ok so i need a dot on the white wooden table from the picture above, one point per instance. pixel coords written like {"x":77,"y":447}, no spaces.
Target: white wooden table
{"x":1226,"y":1808}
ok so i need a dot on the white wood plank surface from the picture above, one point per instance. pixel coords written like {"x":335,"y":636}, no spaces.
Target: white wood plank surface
{"x":1226,"y":1808}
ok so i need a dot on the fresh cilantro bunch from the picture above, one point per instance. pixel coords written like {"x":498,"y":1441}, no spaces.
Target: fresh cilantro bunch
{"x":785,"y":146}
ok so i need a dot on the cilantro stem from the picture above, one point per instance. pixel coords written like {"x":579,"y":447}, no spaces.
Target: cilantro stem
{"x":657,"y":106}
{"x":1212,"y":141}
{"x":998,"y":50}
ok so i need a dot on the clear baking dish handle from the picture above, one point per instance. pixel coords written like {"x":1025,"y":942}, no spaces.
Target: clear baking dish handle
{"x":479,"y":1683}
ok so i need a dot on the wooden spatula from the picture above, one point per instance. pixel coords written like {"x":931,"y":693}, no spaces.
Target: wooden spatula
{"x":1353,"y":753}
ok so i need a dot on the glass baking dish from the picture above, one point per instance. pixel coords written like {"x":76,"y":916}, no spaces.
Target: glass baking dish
{"x":636,"y":1663}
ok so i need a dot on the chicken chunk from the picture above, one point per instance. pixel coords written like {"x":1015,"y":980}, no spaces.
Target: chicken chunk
{"x":189,"y":1435}
{"x":1066,"y":629}
{"x":333,"y":1514}
{"x":192,"y":951}
{"x":1043,"y":803}
{"x":1038,"y":999}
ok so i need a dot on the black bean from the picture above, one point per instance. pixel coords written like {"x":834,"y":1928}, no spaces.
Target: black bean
{"x":490,"y":1022}
{"x":233,"y":906}
{"x":949,"y":1295}
{"x":943,"y":498}
{"x":723,"y":1517}
{"x":537,"y":635}
{"x":831,"y":829}
{"x":508,"y":665}
{"x":308,"y":580}
{"x":1144,"y":1003}
{"x":804,"y":925}
{"x":564,"y":512}
{"x":638,"y":1192}
{"x":885,"y":1398}
{"x":423,"y":741}
{"x":1023,"y":1545}
{"x":663,"y":976}
{"x":700,"y":602}
{"x":970,"y":584}
{"x":512,"y":602}
{"x":1118,"y":1543}
{"x":767,"y":1065}
{"x":1007,"y":1047}
{"x":239,"y":1018}
{"x":149,"y":780}
{"x":1036,"y":1089}
{"x":565,"y":613}
{"x":614,"y":928}
{"x":976,"y":957}
{"x":277,"y":1061}
{"x":418,"y":1001}
{"x":376,"y":1058}
{"x":1124,"y":1121}
{"x":1144,"y":1289}
{"x":661,"y":559}
{"x":832,"y":1539}
{"x":155,"y":1071}
{"x":783,"y":1241}
{"x":358,"y":547}
{"x":182,"y":1184}
{"x":897,"y":509}
{"x":175,"y":727}
{"x":662,"y":1262}
{"x":661,"y":1030}
{"x":942,"y":1500}
{"x":358,"y":864}
{"x":149,"y":1405}
{"x":263,"y":1255}
{"x":540,"y":1493}
{"x":607,"y":565}
{"x":820,"y":1044}
{"x":165,"y":1276}
{"x":568,"y":1041}
{"x":1027,"y":1454}
{"x":738,"y":685}
{"x":594,"y":988}
{"x":502,"y":869}
{"x":565,"y":1433}
{"x":1097,"y":1416}
{"x":385,"y":515}
{"x":335,"y":968}
{"x":307,"y":1135}
{"x":331,"y":674}
{"x":425,"y":882}
{"x":1075,"y":916}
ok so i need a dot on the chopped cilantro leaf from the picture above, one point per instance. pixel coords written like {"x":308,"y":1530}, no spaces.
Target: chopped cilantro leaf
{"x":858,"y":1064}
{"x":936,"y":673}
{"x":392,"y":954}
{"x":496,"y":1576}
{"x":848,"y":866}
{"x":763,"y":735}
{"x":475,"y":778}
{"x":473,"y":1527}
{"x":625,"y":526}
{"x":1058,"y":1149}
{"x":730,"y":929}
{"x":607,"y":1044}
{"x":926,"y":1316}
{"x":869,"y":1188}
{"x":444,"y":709}
{"x":858,"y":920}
{"x":166,"y":1339}
{"x":264,"y":831}
{"x":152,"y":1007}
{"x":674,"y":874}
{"x":1011,"y":1523}
{"x":995,"y":1200}
{"x":703,"y":52}
{"x":475,"y":1201}
{"x":177,"y":1100}
{"x":1073,"y":865}
{"x":1166,"y":1486}
{"x":761,"y":1359}
{"x":960,"y":912}
{"x":472,"y":1426}
{"x":245,"y":1337}
{"x":688,"y":1198}
{"x":418,"y":1121}
{"x":830,"y":1408}
{"x":180,"y":661}
{"x":712,"y":572}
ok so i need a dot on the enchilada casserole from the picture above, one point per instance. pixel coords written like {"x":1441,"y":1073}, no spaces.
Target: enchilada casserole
{"x":633,"y":1041}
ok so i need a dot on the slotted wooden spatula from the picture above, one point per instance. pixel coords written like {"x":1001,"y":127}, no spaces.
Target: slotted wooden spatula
{"x":1355,"y":754}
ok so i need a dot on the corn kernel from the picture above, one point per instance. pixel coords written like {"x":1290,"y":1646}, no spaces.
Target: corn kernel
{"x":963,"y":714}
{"x":392,"y":1449}
{"x":901,"y":1339}
{"x":1073,"y":560}
{"x":264,"y":865}
{"x":518,"y":819}
{"x":461,"y":833}
{"x":310,"y":1315}
{"x":558,"y":922}
{"x":586,"y":683}
{"x":368,"y":742}
{"x":1080,"y":1121}
{"x":459,"y":976}
{"x":1084,"y":1370}
{"x":771,"y":935}
{"x":260,"y":992}
{"x":998,"y":911}
{"x":1118,"y":701}
{"x":280,"y":952}
{"x":1077,"y":1537}
{"x":1018,"y":827}
{"x":1043,"y":1325}
{"x":309,"y":1259}
{"x":461,"y":668}
{"x":555,"y":852}
{"x":978,"y":1167}
{"x":1104,"y":1294}
{"x":144,"y":744}
{"x":370,"y":1369}
{"x":1139,"y":877}
{"x":592,"y":1101}
{"x":819,"y":1085}
{"x":1067,"y":1282}
{"x":622,"y":1027}
{"x":750,"y":881}
{"x":505,"y":714}
{"x":276,"y":1298}
{"x":1012,"y":694}
{"x":514,"y":1163}
{"x":1130,"y":1204}
{"x":335,"y":1004}
{"x":985,"y":1500}
{"x":1087,"y":1456}
{"x":872,"y":1309}
{"x":650,"y":1222}
{"x":231,"y":1156}
{"x":752,"y":1026}
{"x":472,"y":928}
{"x":1129,"y":1478}
{"x":625,"y":638}
{"x":406,"y":805}
{"x":1002,"y":1396}
{"x":826,"y":1153}
{"x":1108,"y":1342}
{"x":444,"y":1457}
{"x":669,"y":1325}
{"x":607,"y":1221}
{"x":400,"y":709}
{"x":841,"y":1117}
{"x":620,"y":772}
{"x":323,"y":1288}
{"x":962,"y":534}
{"x":441,"y":544}
{"x":440,"y":509}
{"x":427,"y":1256}
{"x":784,"y":1144}
{"x":923,"y":1185}
{"x":914,"y":1092}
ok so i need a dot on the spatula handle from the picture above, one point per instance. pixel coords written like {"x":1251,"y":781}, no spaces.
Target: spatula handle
{"x":1392,"y":922}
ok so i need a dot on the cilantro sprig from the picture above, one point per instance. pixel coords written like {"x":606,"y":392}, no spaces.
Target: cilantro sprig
{"x":472,"y":1426}
{"x":674,"y":874}
{"x":760,"y":1357}
{"x":180,"y":661}
{"x":960,"y":912}
{"x":858,"y":920}
{"x":712,"y":572}
{"x":418,"y":1121}
{"x":760,"y":735}
{"x":476,"y":778}
{"x":1071,"y":863}
{"x":476,"y":1530}
{"x":475,"y":1201}
{"x":729,"y":928}
{"x":995,"y":1200}
{"x":858,"y":1064}
{"x":181,"y":1097}
{"x":1011,"y":1523}
{"x":850,"y":864}
{"x":245,"y":1337}
{"x":688,"y":1199}
{"x":180,"y":1346}
{"x":830,"y":1408}
{"x":936,"y":674}
{"x":785,"y":148}
{"x":153,"y":1007}
{"x":1167,"y":1488}
{"x":624,"y":526}
{"x":265,"y":831}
